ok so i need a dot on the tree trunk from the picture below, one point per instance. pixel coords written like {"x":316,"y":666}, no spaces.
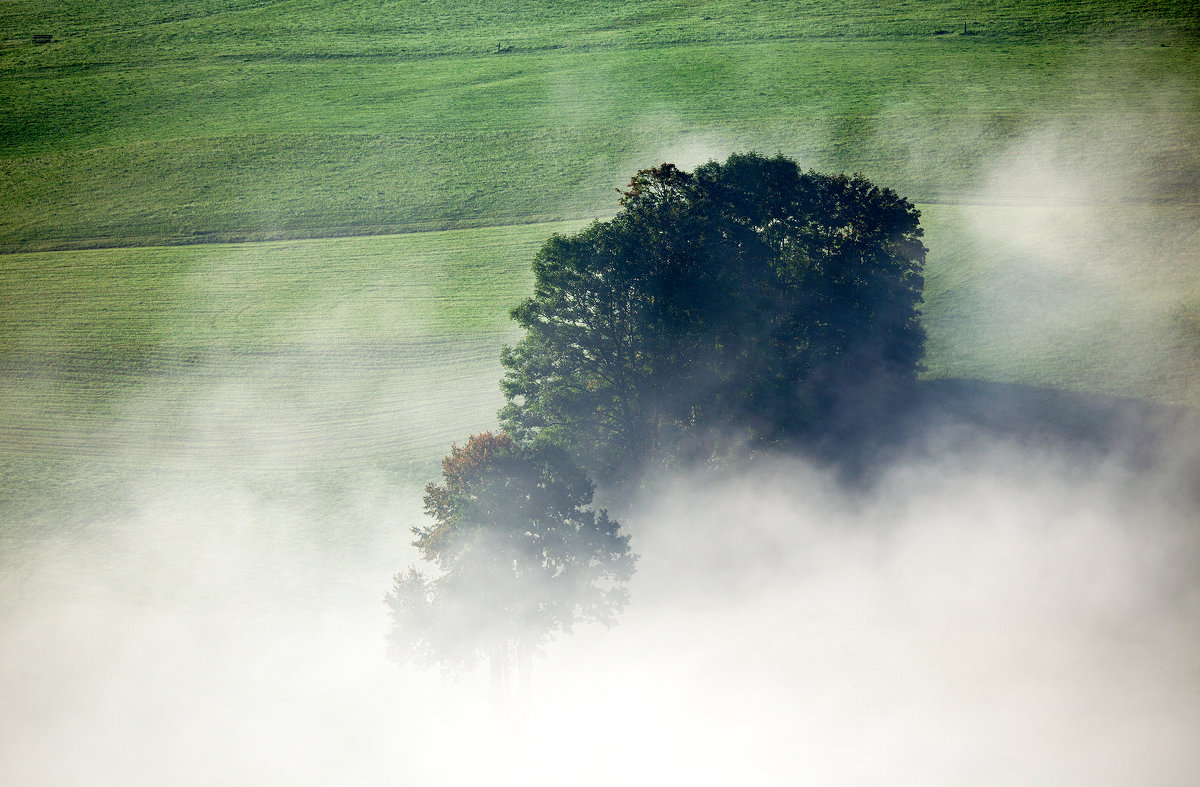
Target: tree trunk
{"x":524,"y":670}
{"x":498,"y":660}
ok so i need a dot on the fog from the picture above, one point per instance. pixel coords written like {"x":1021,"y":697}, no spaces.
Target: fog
{"x":982,"y":611}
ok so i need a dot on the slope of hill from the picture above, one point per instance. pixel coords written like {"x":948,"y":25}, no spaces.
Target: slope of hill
{"x":154,"y":123}
{"x":1054,"y":149}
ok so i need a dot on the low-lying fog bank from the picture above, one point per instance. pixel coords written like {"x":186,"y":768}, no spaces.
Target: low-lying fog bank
{"x":982,"y":610}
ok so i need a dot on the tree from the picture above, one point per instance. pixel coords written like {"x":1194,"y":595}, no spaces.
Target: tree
{"x":520,"y":555}
{"x":745,"y":300}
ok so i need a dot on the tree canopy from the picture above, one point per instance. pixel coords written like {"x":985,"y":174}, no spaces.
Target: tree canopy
{"x":740,"y":301}
{"x":520,"y":556}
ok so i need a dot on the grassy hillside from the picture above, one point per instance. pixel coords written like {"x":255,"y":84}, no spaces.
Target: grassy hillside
{"x":363,"y":354}
{"x":151,"y":124}
{"x":256,"y":357}
{"x":113,"y":30}
{"x":322,"y":377}
{"x":1054,"y":149}
{"x":1103,"y":299}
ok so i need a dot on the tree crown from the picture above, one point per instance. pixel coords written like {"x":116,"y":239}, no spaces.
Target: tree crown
{"x":521,"y":555}
{"x":741,"y":300}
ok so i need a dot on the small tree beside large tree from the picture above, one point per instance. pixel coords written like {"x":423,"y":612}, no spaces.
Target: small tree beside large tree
{"x":744,"y":302}
{"x":519,"y":556}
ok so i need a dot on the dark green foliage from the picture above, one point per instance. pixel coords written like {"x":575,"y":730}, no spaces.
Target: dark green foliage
{"x":520,"y":557}
{"x":742,"y":301}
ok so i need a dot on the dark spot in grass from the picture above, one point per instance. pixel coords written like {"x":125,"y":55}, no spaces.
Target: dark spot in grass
{"x":1186,"y":321}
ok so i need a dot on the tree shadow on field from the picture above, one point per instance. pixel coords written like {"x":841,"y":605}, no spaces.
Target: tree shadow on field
{"x":862,"y":436}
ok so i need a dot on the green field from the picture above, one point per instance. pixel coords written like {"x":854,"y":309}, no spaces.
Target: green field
{"x":151,"y":124}
{"x":285,"y":235}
